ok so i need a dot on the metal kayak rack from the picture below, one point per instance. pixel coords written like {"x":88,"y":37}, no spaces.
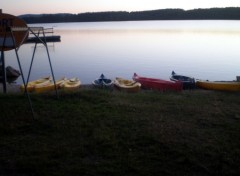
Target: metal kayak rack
{"x":13,"y":33}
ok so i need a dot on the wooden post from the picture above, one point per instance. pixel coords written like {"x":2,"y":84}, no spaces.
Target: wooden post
{"x":0,"y":11}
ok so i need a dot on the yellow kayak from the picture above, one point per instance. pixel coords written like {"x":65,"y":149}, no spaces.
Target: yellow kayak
{"x":127,"y":85}
{"x":219,"y":85}
{"x":49,"y":87}
{"x":32,"y":84}
{"x":71,"y":84}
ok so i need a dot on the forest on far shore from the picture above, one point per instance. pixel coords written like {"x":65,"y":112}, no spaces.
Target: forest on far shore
{"x":228,"y":13}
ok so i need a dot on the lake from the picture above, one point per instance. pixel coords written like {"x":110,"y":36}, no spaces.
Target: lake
{"x":204,"y":49}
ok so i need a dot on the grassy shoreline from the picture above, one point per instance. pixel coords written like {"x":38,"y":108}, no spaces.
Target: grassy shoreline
{"x":102,"y":132}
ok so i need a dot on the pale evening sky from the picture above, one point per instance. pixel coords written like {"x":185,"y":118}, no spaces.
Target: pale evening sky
{"x":18,"y":7}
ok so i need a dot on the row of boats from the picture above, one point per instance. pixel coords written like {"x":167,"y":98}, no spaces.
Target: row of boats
{"x":176,"y":83}
{"x":139,"y":82}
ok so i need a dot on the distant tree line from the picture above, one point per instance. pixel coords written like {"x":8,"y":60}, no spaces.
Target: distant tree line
{"x":230,"y":13}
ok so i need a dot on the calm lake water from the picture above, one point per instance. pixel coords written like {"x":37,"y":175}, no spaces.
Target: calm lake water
{"x":202,"y":49}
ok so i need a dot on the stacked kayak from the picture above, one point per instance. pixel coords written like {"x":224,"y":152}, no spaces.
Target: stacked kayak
{"x":71,"y":84}
{"x":158,"y":84}
{"x":188,"y":82}
{"x":127,"y":85}
{"x":102,"y":82}
{"x":49,"y":87}
{"x":36,"y":83}
{"x":219,"y":85}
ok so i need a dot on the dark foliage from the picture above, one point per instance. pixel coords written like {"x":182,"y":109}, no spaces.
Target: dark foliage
{"x":162,"y":14}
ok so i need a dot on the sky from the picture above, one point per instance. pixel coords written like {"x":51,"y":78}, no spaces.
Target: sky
{"x":19,"y":7}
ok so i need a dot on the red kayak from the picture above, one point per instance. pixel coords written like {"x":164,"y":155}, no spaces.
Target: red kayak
{"x":158,"y":84}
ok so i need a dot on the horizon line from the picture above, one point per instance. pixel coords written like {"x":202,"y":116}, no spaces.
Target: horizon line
{"x":125,"y":11}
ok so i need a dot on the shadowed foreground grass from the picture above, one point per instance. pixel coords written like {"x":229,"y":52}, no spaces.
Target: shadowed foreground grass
{"x":99,"y":132}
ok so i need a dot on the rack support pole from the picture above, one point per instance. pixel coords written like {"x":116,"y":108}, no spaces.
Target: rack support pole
{"x":4,"y":77}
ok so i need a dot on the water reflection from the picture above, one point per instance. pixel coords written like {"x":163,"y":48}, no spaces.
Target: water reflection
{"x":202,"y":49}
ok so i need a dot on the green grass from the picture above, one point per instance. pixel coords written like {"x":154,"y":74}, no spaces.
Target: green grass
{"x":99,"y":132}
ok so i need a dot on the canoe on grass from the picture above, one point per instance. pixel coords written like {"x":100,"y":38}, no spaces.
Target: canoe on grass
{"x":102,"y":82}
{"x":158,"y":84}
{"x":127,"y":85}
{"x":71,"y":84}
{"x":188,"y":82}
{"x":49,"y":87}
{"x":39,"y":82}
{"x":219,"y":85}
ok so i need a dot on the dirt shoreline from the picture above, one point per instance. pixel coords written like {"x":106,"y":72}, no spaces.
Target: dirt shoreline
{"x":15,"y":88}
